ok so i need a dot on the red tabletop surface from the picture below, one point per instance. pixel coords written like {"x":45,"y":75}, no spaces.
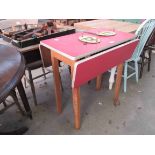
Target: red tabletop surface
{"x":91,"y":67}
{"x":71,"y":47}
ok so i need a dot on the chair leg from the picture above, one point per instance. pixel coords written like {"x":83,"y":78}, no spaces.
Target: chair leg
{"x":125,"y":76}
{"x":136,"y":70}
{"x":32,"y":87}
{"x":24,"y":99}
{"x":149,"y":60}
{"x":142,"y":65}
{"x":44,"y":74}
{"x":61,"y":83}
{"x":112,"y":77}
{"x":14,"y":96}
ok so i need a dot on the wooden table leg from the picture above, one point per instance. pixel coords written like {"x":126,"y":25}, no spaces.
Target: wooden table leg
{"x":76,"y":107}
{"x":57,"y":84}
{"x":76,"y":103}
{"x":98,"y":82}
{"x":118,"y":84}
{"x":24,"y":99}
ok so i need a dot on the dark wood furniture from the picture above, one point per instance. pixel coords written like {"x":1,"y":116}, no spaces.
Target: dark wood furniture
{"x":33,"y":61}
{"x":30,"y":50}
{"x":12,"y":68}
{"x":146,"y":54}
{"x":107,"y":23}
{"x":26,"y":38}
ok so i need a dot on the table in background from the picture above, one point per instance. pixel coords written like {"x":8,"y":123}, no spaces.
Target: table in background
{"x":31,"y":53}
{"x":109,"y":24}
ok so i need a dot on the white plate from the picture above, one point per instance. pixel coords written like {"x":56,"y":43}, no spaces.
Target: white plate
{"x":89,"y":39}
{"x":107,"y":33}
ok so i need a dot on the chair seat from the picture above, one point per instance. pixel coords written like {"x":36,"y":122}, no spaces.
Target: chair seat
{"x":34,"y":65}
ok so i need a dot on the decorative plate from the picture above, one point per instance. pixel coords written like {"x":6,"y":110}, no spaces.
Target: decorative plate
{"x":89,"y":39}
{"x":107,"y":33}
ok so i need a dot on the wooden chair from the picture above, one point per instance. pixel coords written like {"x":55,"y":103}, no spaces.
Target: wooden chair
{"x":144,"y":34}
{"x":29,"y":68}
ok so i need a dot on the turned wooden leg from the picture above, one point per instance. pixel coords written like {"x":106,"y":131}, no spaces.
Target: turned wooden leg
{"x":14,"y":96}
{"x":118,"y":84}
{"x":57,"y":84}
{"x":32,"y":87}
{"x":76,"y":107}
{"x":24,"y":99}
{"x":112,"y":77}
{"x":98,"y":82}
{"x":149,"y":60}
{"x":76,"y":103}
{"x":142,"y":65}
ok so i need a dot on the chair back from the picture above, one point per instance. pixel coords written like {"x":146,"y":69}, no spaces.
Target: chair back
{"x":141,"y":26}
{"x":151,"y":40}
{"x":134,"y":21}
{"x":144,"y":35}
